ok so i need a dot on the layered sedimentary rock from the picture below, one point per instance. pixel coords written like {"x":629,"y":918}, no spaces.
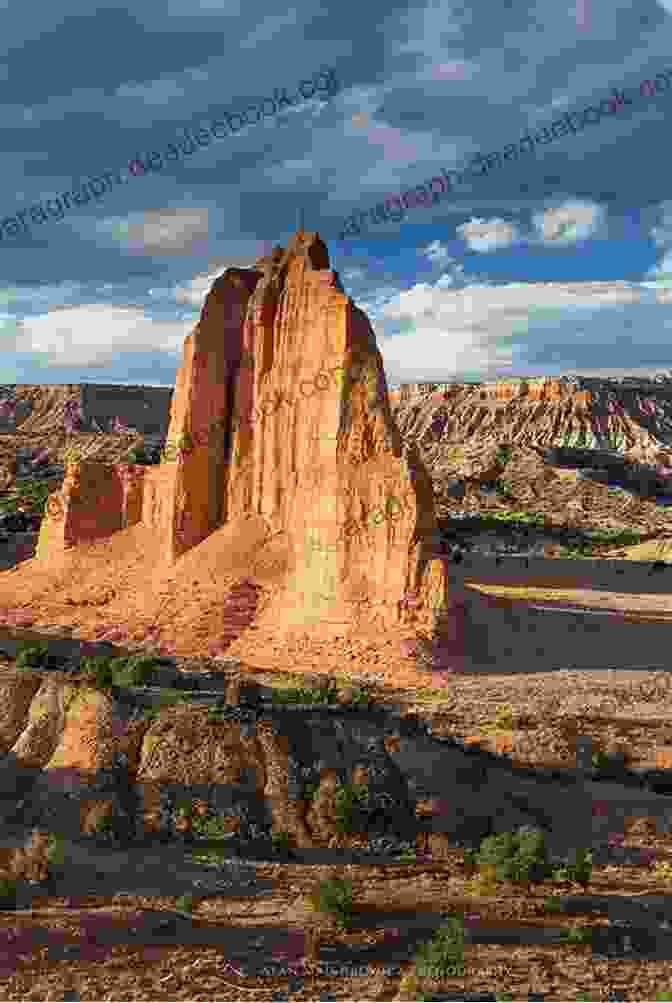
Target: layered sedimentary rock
{"x":281,"y":411}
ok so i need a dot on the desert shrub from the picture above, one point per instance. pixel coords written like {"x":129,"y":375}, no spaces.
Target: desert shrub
{"x":105,"y":825}
{"x":210,"y":827}
{"x":30,"y":655}
{"x":135,"y":670}
{"x":185,"y":903}
{"x":504,"y":488}
{"x":485,"y":882}
{"x":503,"y":720}
{"x":578,"y":871}
{"x":577,"y":935}
{"x":335,"y":896}
{"x":138,"y":454}
{"x":303,"y":695}
{"x":408,"y":855}
{"x":55,"y":851}
{"x":600,"y":759}
{"x":99,"y":669}
{"x":663,"y":870}
{"x":360,"y":694}
{"x":515,"y":856}
{"x":346,"y":797}
{"x":121,"y":671}
{"x":443,"y":955}
{"x":7,"y":893}
{"x":30,"y":494}
{"x":280,"y":841}
{"x":504,"y":453}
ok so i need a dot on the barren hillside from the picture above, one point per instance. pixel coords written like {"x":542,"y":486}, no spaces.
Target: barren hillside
{"x":36,"y":416}
{"x":460,"y":433}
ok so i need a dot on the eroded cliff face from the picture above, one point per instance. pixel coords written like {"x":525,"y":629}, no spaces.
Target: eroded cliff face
{"x":281,"y":413}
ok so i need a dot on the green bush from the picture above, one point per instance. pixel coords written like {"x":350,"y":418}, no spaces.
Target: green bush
{"x":100,"y":667}
{"x":504,"y":488}
{"x":346,"y":797}
{"x":360,"y":694}
{"x":516,"y":856}
{"x":444,"y":953}
{"x":577,"y":935}
{"x":31,"y":495}
{"x":600,"y":760}
{"x":504,"y":453}
{"x":210,"y":827}
{"x":408,"y":855}
{"x":7,"y":893}
{"x":135,"y":670}
{"x":280,"y":841}
{"x":185,"y":903}
{"x":302,"y":695}
{"x":579,"y":871}
{"x":56,"y":851}
{"x":335,"y":896}
{"x":310,"y":791}
{"x":30,"y":655}
{"x":552,"y":904}
{"x":105,"y":825}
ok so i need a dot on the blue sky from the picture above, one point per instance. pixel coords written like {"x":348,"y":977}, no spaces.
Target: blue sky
{"x":559,"y":262}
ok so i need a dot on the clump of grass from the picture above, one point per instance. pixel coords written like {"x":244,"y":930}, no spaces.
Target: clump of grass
{"x":503,"y":720}
{"x":504,"y":453}
{"x":347,"y":795}
{"x":208,"y":827}
{"x":135,"y":670}
{"x":443,"y":955}
{"x":577,"y":935}
{"x":663,"y":870}
{"x":281,"y":842}
{"x":304,"y":695}
{"x":516,"y":856}
{"x":31,"y":655}
{"x":334,"y":897}
{"x":105,"y":825}
{"x":107,"y":671}
{"x":30,"y":494}
{"x":7,"y":893}
{"x":578,"y":871}
{"x":504,"y":488}
{"x":185,"y":903}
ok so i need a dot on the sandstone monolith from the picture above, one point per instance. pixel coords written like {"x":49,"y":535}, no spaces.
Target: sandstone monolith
{"x":281,"y":411}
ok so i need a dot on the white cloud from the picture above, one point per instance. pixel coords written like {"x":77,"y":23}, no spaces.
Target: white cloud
{"x":96,"y":335}
{"x":568,"y":223}
{"x":488,"y":235}
{"x":491,"y":329}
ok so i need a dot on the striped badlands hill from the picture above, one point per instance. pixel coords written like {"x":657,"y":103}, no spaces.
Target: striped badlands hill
{"x":460,"y":430}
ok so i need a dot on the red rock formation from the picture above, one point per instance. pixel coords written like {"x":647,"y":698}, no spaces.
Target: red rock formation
{"x":281,"y":411}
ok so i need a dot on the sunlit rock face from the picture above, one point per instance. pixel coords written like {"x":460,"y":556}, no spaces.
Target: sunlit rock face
{"x":281,"y":412}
